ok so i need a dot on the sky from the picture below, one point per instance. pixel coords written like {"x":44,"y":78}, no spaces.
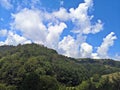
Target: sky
{"x":74,"y":28}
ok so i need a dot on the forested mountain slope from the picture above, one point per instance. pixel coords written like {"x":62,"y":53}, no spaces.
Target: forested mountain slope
{"x":35,"y":67}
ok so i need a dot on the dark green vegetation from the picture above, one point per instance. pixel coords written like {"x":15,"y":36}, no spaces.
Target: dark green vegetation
{"x":35,"y":67}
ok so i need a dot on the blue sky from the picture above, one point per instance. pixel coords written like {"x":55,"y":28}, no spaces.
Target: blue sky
{"x":75,"y":28}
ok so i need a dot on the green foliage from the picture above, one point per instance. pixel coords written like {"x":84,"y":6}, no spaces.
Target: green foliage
{"x":2,"y":87}
{"x":30,"y":82}
{"x":84,"y":85}
{"x":11,"y":88}
{"x":101,"y":83}
{"x":101,"y":66}
{"x":96,"y":78}
{"x":48,"y":83}
{"x":34,"y":82}
{"x":32,"y":66}
{"x":5,"y":87}
{"x":105,"y":84}
{"x":116,"y":81}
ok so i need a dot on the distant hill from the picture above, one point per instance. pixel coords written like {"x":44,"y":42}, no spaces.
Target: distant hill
{"x":101,"y":66}
{"x":18,"y":64}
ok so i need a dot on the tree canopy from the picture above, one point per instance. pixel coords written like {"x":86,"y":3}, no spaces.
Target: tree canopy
{"x":33,"y":66}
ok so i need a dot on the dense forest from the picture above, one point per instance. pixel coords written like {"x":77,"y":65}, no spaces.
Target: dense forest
{"x":35,"y":67}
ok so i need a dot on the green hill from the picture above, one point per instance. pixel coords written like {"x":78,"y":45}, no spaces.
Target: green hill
{"x":37,"y":67}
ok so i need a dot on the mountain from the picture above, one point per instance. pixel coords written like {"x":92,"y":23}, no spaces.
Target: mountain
{"x":37,"y":67}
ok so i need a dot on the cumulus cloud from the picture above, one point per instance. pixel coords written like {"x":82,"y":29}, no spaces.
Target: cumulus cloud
{"x":69,"y":47}
{"x":95,"y":56}
{"x":14,"y":39}
{"x":80,"y":18}
{"x":54,"y":33}
{"x":42,"y":27}
{"x":86,"y":50}
{"x":46,"y":28}
{"x":62,"y":14}
{"x":83,"y":21}
{"x":108,"y":41}
{"x":30,"y":24}
{"x":97,"y":27}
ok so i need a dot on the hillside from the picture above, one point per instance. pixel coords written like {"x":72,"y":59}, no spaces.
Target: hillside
{"x":101,"y":66}
{"x":33,"y":65}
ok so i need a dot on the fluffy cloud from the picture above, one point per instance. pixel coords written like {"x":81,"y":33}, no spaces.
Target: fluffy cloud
{"x":95,"y":56}
{"x":62,"y":14}
{"x":107,"y":42}
{"x":80,"y":18}
{"x":83,"y":21}
{"x":86,"y":50}
{"x":30,"y":24}
{"x":54,"y":33}
{"x":97,"y":27}
{"x":42,"y":27}
{"x":69,"y":47}
{"x":14,"y":39}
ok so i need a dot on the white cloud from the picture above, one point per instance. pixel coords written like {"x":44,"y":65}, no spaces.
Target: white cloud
{"x":80,"y":18}
{"x":29,"y":22}
{"x":95,"y":56}
{"x":97,"y":27}
{"x":6,"y":4}
{"x":38,"y":26}
{"x":54,"y":33}
{"x":69,"y":47}
{"x":86,"y":50}
{"x":62,"y":14}
{"x":83,"y":21}
{"x":108,"y":41}
{"x":14,"y":39}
